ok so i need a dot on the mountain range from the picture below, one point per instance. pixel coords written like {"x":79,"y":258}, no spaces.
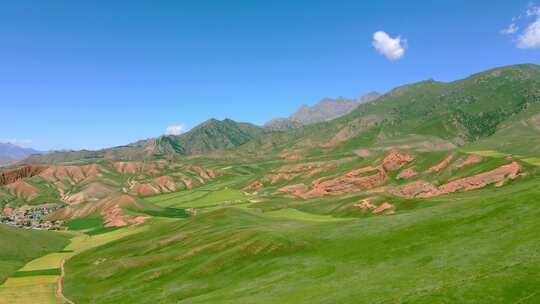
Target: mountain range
{"x":324,"y":110}
{"x":209,"y":136}
{"x":10,"y":153}
{"x":213,"y":134}
{"x":427,"y":115}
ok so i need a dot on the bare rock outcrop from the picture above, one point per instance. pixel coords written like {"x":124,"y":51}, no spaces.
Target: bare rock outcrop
{"x":14,"y":175}
{"x":470,"y":160}
{"x":165,"y":183}
{"x":423,"y":189}
{"x":296,"y":190}
{"x":354,"y":181}
{"x":384,"y":208}
{"x":396,"y":159}
{"x":440,"y":166}
{"x":407,"y":173}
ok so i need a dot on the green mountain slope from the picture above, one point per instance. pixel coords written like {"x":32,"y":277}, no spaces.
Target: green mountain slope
{"x":519,"y":135}
{"x":207,"y":137}
{"x":426,"y":115}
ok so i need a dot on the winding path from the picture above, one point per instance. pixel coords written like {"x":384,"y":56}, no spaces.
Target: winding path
{"x":59,"y":287}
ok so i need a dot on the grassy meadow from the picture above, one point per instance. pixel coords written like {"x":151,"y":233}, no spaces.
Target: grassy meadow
{"x":35,"y":282}
{"x":468,"y":247}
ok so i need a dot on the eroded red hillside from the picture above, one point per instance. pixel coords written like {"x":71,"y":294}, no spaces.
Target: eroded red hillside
{"x":104,"y":188}
{"x":14,"y":175}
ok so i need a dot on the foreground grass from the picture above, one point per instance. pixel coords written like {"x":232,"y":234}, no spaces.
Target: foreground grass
{"x":35,"y":282}
{"x":19,"y":246}
{"x":477,"y":247}
{"x":26,"y":290}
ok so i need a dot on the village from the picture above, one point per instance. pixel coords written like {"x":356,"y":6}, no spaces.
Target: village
{"x":31,"y":217}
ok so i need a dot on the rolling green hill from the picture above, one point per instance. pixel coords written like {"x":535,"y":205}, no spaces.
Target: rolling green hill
{"x":427,"y":115}
{"x":207,"y":137}
{"x":479,"y":248}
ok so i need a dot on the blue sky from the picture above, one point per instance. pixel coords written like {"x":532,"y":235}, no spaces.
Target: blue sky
{"x":92,"y":74}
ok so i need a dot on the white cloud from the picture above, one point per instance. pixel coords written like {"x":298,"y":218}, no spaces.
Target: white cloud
{"x":530,"y":38}
{"x":17,"y":142}
{"x":533,"y":11}
{"x":174,"y":130}
{"x":511,"y":29}
{"x":392,"y":48}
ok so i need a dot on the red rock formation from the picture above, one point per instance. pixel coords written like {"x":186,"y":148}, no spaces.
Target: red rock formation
{"x":395,"y":160}
{"x":386,"y":208}
{"x":128,"y":167}
{"x":470,"y":160}
{"x":253,"y":186}
{"x":498,"y":176}
{"x":349,"y":183}
{"x":357,"y":180}
{"x":361,"y":171}
{"x":315,"y":192}
{"x":365,"y":204}
{"x":319,"y":180}
{"x":14,"y":175}
{"x":165,"y":183}
{"x":8,"y":211}
{"x":440,"y":166}
{"x":305,"y":170}
{"x":113,"y":215}
{"x":72,"y":174}
{"x":92,"y":192}
{"x":276,"y":178}
{"x":188,"y":183}
{"x":407,"y":173}
{"x":415,"y":189}
{"x":212,"y":173}
{"x":111,"y":209}
{"x":22,"y":189}
{"x":144,"y":190}
{"x":296,"y":190}
{"x":299,"y":168}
